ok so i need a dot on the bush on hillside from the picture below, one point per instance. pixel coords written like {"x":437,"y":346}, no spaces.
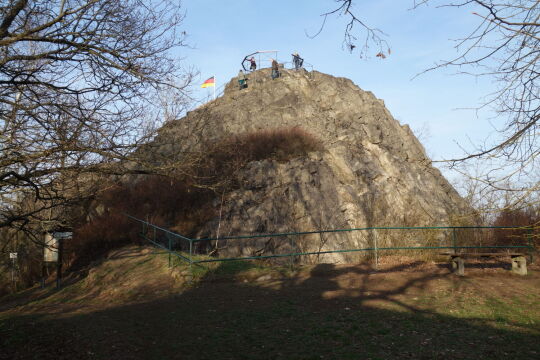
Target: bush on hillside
{"x":183,"y":202}
{"x":528,"y":217}
{"x":279,"y":144}
{"x":159,"y":200}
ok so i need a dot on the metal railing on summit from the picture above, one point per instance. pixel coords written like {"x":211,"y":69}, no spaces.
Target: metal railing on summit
{"x":289,"y":65}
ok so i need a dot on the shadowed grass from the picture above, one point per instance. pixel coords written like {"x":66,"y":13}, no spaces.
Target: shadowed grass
{"x":322,"y":311}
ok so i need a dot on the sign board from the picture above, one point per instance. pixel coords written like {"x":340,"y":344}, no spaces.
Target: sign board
{"x":12,"y":255}
{"x":63,"y":235}
{"x":50,"y":252}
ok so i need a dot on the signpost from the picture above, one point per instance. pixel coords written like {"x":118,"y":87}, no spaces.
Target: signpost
{"x":52,"y":252}
{"x":63,"y":235}
{"x":13,"y":257}
{"x":59,"y":262}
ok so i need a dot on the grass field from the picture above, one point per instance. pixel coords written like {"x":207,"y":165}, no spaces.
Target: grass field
{"x":413,"y":311}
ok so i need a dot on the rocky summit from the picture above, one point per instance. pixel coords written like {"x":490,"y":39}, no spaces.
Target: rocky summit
{"x":371,"y":171}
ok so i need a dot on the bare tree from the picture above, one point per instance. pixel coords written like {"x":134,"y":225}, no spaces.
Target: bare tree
{"x":79,"y":85}
{"x":372,"y":36}
{"x":505,"y":46}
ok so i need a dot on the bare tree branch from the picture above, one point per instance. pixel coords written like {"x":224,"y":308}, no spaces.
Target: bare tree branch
{"x":372,"y":35}
{"x":504,"y":46}
{"x":79,"y":82}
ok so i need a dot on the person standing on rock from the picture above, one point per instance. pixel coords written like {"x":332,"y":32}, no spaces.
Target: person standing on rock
{"x":253,"y":66}
{"x":242,"y":80}
{"x":297,"y":61}
{"x":275,"y":69}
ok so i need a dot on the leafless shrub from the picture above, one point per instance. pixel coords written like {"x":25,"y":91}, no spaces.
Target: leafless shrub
{"x":182,"y":203}
{"x":528,"y":218}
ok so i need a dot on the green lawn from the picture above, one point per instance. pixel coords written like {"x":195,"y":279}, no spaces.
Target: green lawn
{"x":327,"y":313}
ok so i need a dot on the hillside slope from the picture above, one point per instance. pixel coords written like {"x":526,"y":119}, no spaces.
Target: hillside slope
{"x":129,"y":308}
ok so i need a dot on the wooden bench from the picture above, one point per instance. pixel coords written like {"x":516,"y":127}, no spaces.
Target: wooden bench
{"x":519,"y":262}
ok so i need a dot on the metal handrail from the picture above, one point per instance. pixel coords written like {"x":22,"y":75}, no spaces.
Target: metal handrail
{"x":191,"y":241}
{"x":158,"y":227}
{"x":290,"y":65}
{"x":360,"y":229}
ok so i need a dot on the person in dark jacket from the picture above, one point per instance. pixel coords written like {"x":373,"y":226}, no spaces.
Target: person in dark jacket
{"x":275,"y":69}
{"x":253,"y":66}
{"x":297,"y":61}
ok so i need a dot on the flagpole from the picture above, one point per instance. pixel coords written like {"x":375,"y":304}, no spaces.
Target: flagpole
{"x":215,"y":87}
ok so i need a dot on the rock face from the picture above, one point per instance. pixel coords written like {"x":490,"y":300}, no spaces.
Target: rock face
{"x":372,"y":171}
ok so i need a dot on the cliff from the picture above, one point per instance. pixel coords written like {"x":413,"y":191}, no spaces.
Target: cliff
{"x":372,"y":171}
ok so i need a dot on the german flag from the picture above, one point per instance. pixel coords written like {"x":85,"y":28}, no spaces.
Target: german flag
{"x":208,"y":83}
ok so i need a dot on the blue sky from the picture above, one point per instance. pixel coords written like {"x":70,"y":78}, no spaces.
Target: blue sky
{"x":221,"y":32}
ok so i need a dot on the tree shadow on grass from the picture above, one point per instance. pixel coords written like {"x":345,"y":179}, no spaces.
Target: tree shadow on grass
{"x":334,"y":313}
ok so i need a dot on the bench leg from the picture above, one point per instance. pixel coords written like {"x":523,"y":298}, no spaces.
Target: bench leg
{"x":519,"y":265}
{"x":458,"y":266}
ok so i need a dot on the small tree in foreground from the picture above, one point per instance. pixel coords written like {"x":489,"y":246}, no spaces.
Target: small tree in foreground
{"x":79,"y":80}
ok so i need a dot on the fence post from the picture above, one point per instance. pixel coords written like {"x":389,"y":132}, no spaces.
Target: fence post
{"x":530,"y":244}
{"x":376,"y":249}
{"x":60,"y":250}
{"x":190,"y":260}
{"x":170,"y":248}
{"x":145,"y":228}
{"x":291,"y":243}
{"x":454,"y":240}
